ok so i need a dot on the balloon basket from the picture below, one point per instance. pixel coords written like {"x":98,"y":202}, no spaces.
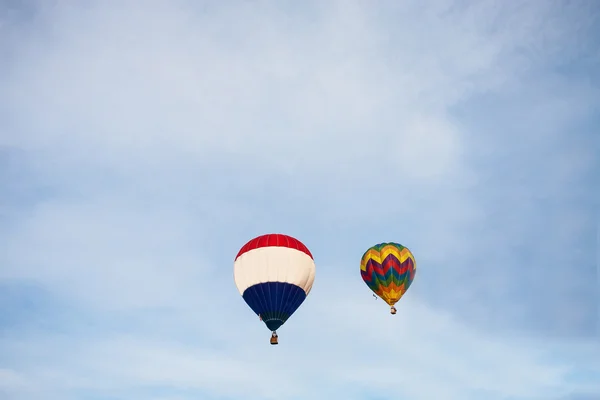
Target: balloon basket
{"x":274,"y":339}
{"x":393,"y":310}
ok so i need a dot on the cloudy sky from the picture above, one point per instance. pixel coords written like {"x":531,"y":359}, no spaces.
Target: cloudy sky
{"x":143,"y":143}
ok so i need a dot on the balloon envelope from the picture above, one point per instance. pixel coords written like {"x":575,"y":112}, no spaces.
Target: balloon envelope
{"x":274,"y":273}
{"x":388,"y":269}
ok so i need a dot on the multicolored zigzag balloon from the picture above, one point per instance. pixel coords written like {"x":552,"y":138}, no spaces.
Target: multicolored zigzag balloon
{"x":388,"y":269}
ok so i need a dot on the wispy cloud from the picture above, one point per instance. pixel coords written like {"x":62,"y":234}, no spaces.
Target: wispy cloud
{"x":142,"y":145}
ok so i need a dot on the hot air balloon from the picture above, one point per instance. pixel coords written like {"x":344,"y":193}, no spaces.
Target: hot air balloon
{"x":388,"y":269}
{"x":274,"y":273}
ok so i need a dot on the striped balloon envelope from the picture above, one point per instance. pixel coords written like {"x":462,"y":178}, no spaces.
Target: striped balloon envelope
{"x":274,"y":273}
{"x":388,"y":269}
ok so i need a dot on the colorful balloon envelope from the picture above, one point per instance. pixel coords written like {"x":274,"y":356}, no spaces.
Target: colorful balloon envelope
{"x":388,"y":269}
{"x":274,"y":273}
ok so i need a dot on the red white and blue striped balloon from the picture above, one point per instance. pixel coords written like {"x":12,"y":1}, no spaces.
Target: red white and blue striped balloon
{"x":274,"y":273}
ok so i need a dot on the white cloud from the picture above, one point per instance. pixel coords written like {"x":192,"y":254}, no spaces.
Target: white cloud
{"x":405,"y":353}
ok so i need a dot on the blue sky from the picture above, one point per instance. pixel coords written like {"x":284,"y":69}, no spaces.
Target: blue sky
{"x":141,"y":145}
